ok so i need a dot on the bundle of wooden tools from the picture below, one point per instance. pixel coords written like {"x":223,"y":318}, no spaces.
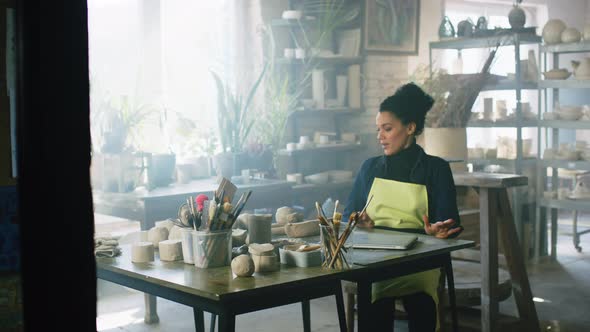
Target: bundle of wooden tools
{"x":334,"y":242}
{"x":216,"y":216}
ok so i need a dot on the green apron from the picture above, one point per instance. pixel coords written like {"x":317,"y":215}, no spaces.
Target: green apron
{"x":401,"y":205}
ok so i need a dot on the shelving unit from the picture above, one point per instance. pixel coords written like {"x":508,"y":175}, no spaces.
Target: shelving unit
{"x":306,"y":121}
{"x":520,"y":197}
{"x":551,"y":128}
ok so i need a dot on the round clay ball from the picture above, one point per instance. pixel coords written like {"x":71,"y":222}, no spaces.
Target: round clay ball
{"x":157,"y":235}
{"x":242,"y":266}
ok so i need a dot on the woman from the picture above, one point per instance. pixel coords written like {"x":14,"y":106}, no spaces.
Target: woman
{"x":409,"y":189}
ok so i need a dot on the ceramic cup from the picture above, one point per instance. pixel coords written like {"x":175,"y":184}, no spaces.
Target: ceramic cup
{"x":488,"y":108}
{"x":291,"y":146}
{"x":304,"y":139}
{"x":324,"y":139}
{"x":295,"y":177}
{"x":299,"y":53}
{"x":289,"y":53}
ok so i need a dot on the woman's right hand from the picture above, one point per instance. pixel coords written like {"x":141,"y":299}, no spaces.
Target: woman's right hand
{"x":365,"y":221}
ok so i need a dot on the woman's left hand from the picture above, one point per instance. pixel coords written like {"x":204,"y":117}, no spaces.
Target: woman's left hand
{"x":441,"y":229}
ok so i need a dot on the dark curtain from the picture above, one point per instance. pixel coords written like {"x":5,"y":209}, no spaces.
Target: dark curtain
{"x":58,"y":270}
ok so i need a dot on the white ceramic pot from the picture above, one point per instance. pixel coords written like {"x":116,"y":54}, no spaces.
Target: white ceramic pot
{"x":552,"y":31}
{"x":447,"y":143}
{"x":570,"y":35}
{"x":582,"y":68}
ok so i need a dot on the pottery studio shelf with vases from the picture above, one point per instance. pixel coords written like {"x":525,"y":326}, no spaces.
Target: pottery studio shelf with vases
{"x":326,"y":77}
{"x":522,"y":79}
{"x":561,"y":161}
{"x":324,"y":61}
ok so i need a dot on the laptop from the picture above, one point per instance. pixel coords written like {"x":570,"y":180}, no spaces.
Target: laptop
{"x":384,"y":240}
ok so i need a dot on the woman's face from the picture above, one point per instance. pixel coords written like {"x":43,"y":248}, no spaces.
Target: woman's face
{"x":392,"y":134}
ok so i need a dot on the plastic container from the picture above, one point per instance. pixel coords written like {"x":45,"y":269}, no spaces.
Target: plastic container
{"x":212,"y":249}
{"x":301,"y":259}
{"x":187,"y":245}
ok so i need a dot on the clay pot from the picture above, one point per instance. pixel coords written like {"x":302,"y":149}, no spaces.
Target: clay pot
{"x":552,"y":31}
{"x":582,"y":68}
{"x":516,"y":18}
{"x":571,"y":35}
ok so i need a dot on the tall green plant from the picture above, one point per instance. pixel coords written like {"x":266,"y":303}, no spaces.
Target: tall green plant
{"x":232,"y":113}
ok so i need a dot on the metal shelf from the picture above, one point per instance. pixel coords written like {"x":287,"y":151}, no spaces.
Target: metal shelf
{"x":565,"y":84}
{"x":321,"y":149}
{"x":509,"y":85}
{"x":328,"y":111}
{"x":335,"y":60}
{"x":280,"y":22}
{"x":582,"y":46}
{"x":328,"y":186}
{"x":501,"y":124}
{"x":484,"y":42}
{"x":567,"y":204}
{"x":502,"y":162}
{"x":568,"y":164}
{"x":565,"y":124}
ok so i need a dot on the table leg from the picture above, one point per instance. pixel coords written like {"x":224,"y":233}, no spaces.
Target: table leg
{"x":512,"y":250}
{"x":363,"y":305}
{"x":489,"y":259}
{"x":340,"y":307}
{"x":451,"y":291}
{"x":553,"y":233}
{"x":212,"y":323}
{"x":151,"y":309}
{"x":305,"y":310}
{"x":199,"y":320}
{"x":226,"y":322}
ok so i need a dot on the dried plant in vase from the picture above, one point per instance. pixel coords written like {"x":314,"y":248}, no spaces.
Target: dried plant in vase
{"x":454,"y":95}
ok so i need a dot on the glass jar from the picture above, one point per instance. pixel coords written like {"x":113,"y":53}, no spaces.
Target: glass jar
{"x":212,"y":249}
{"x":336,"y":245}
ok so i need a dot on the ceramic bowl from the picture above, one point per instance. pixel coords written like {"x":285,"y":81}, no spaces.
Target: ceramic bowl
{"x":569,"y":116}
{"x":292,"y":14}
{"x":550,"y":116}
{"x":557,"y":74}
{"x":340,"y":175}
{"x":570,"y":35}
{"x":552,"y":31}
{"x":318,"y":178}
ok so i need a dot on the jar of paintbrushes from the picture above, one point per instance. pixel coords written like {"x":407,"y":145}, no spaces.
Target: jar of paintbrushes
{"x":212,"y":238}
{"x":336,"y":237}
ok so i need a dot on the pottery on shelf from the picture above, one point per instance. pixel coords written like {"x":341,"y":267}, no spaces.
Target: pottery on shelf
{"x":482,"y":23}
{"x":552,"y":31}
{"x":570,"y":35}
{"x":586,"y":32}
{"x":581,"y":68}
{"x":517,"y":17}
{"x":557,"y":74}
{"x":465,"y":28}
{"x":446,"y":29}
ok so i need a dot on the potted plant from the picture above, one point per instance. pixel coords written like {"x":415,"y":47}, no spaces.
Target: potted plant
{"x":445,"y":133}
{"x":234,"y":124}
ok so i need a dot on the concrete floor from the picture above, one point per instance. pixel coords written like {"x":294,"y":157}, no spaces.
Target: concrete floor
{"x":561,"y":290}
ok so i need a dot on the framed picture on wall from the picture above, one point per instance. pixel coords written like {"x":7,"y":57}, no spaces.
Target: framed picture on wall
{"x":391,"y":26}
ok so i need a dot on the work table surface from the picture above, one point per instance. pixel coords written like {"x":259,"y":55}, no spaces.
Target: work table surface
{"x":220,"y":283}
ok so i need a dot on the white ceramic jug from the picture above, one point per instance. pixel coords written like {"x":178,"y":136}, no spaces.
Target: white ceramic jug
{"x":582,"y":68}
